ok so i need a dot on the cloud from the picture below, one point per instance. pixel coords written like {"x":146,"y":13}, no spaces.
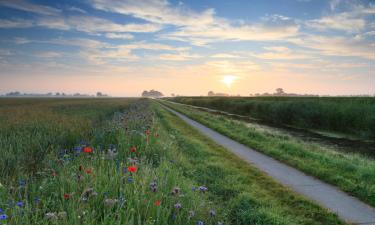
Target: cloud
{"x":119,"y":36}
{"x":199,"y":28}
{"x":156,"y":11}
{"x":48,"y":54}
{"x":337,"y":46}
{"x":76,"y":9}
{"x":17,"y":23}
{"x":343,"y":21}
{"x":30,"y":7}
{"x":180,"y":56}
{"x":225,"y":56}
{"x":280,"y":53}
{"x":92,"y":24}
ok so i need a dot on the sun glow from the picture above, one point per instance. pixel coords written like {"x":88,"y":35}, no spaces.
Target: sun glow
{"x":228,"y":80}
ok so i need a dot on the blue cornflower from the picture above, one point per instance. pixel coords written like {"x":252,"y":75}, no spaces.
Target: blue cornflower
{"x":22,"y":182}
{"x":78,"y":149}
{"x":130,"y":180}
{"x":200,"y":223}
{"x":3,"y":216}
{"x":36,"y":200}
{"x":203,"y":189}
{"x":20,"y":204}
{"x":1,"y":211}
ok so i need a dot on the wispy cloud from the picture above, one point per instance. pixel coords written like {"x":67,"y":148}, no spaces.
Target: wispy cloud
{"x":119,"y":36}
{"x":16,"y":23}
{"x":30,"y":7}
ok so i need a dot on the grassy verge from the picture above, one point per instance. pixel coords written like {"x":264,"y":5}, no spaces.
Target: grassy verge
{"x":352,"y":173}
{"x":246,"y":195}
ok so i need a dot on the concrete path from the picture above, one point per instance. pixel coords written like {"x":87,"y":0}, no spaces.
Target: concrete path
{"x":345,"y":206}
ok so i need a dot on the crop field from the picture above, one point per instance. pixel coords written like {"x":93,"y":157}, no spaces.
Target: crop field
{"x":352,"y":116}
{"x":129,"y":161}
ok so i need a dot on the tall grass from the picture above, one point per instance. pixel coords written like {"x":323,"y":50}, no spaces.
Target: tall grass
{"x":91,"y":180}
{"x":348,"y":115}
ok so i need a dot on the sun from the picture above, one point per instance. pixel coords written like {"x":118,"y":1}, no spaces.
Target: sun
{"x":228,"y":80}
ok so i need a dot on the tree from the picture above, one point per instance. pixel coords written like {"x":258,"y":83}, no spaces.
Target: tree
{"x":152,"y":94}
{"x":279,"y":91}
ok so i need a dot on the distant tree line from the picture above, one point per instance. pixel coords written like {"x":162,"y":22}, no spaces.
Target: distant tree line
{"x":152,"y":94}
{"x":50,"y":94}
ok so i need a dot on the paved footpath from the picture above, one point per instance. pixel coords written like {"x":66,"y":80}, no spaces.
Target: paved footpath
{"x":345,"y":206}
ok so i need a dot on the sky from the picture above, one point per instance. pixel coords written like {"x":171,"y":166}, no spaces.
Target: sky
{"x":122,"y":47}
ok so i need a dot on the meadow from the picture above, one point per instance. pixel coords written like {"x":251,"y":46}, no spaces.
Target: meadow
{"x":129,"y":161}
{"x":352,"y":173}
{"x":351,"y":116}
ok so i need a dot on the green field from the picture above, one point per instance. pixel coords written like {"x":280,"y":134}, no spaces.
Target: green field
{"x":353,"y":173}
{"x":128,"y":161}
{"x":354,"y":116}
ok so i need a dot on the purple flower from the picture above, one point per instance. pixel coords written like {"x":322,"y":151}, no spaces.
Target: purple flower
{"x":130,"y":180}
{"x":3,"y":216}
{"x":22,"y":183}
{"x":178,"y":205}
{"x":203,"y":189}
{"x":20,"y":204}
{"x":200,"y":223}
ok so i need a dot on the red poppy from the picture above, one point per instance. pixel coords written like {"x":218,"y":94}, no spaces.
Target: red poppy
{"x":88,"y":171}
{"x":133,"y":149}
{"x":132,"y":169}
{"x":157,"y":202}
{"x":66,"y":196}
{"x":87,"y":150}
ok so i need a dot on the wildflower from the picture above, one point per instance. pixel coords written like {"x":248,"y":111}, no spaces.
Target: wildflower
{"x":61,"y":215}
{"x":130,"y":180}
{"x":87,"y":193}
{"x":133,"y":149}
{"x":176,"y":191}
{"x":177,"y":206}
{"x":50,"y":216}
{"x":203,"y":189}
{"x":88,"y":171}
{"x":157,"y":202}
{"x":3,"y":216}
{"x":191,"y":214}
{"x":1,"y":211}
{"x":77,"y":149}
{"x":153,"y":186}
{"x":212,"y":213}
{"x":87,"y":150}
{"x":22,"y":183}
{"x":147,"y":132}
{"x":200,"y":223}
{"x":110,"y":202}
{"x":20,"y":204}
{"x":132,"y":169}
{"x":66,"y":196}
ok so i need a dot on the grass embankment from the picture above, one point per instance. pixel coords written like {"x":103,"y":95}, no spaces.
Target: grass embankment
{"x":246,"y":195}
{"x":352,"y":173}
{"x":352,"y":116}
